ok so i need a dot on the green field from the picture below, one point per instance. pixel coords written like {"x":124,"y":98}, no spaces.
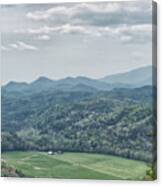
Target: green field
{"x":75,"y":165}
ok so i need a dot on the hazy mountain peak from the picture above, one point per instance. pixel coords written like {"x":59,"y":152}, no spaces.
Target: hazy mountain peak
{"x":13,"y":83}
{"x":15,"y":86}
{"x":42,"y":79}
{"x":137,"y":77}
{"x":82,"y":77}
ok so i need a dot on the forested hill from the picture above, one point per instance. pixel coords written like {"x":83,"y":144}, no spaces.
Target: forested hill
{"x":118,"y":122}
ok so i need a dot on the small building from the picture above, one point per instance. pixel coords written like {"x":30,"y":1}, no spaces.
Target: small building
{"x":55,"y":153}
{"x":50,"y":153}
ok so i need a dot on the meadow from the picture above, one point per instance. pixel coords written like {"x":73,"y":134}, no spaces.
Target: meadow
{"x":70,"y":165}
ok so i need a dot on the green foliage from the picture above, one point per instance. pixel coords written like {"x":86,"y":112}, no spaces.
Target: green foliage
{"x":118,"y":122}
{"x":8,"y":171}
{"x":151,"y":172}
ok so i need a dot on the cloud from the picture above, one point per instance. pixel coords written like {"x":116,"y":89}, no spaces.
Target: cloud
{"x":141,"y":28}
{"x":125,"y":33}
{"x":135,"y":33}
{"x":79,"y":8}
{"x":67,"y":28}
{"x":4,"y":48}
{"x":40,"y":30}
{"x":44,"y":15}
{"x":13,"y":45}
{"x":126,"y":21}
{"x":129,"y":34}
{"x":62,"y":29}
{"x":22,"y":46}
{"x":107,"y":13}
{"x":126,"y":39}
{"x":43,"y":37}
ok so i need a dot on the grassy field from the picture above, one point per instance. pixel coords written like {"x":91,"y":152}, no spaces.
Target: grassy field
{"x":75,"y":165}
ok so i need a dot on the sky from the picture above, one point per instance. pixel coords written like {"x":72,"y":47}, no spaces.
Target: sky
{"x":74,"y":39}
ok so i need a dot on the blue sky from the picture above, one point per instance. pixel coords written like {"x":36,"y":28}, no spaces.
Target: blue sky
{"x":74,"y":39}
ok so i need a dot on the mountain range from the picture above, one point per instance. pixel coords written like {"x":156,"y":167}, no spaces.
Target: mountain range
{"x":131,"y":79}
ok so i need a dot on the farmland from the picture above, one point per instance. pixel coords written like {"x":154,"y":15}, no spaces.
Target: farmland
{"x":74,"y":165}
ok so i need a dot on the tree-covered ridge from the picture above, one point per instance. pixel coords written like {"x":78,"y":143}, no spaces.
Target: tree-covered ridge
{"x":118,"y":122}
{"x":132,"y":79}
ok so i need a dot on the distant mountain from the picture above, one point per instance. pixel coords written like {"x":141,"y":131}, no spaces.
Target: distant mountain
{"x":132,"y":79}
{"x":66,"y":84}
{"x":42,"y":83}
{"x":42,"y":80}
{"x":85,"y":81}
{"x":135,"y":78}
{"x":16,"y":86}
{"x":83,"y":88}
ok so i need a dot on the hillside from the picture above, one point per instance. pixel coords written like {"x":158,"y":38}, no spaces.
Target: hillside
{"x":118,"y":122}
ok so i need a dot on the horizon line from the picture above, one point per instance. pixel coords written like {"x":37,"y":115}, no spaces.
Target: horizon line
{"x":43,"y":76}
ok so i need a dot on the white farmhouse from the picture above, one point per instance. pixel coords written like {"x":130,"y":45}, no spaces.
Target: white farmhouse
{"x":50,"y":153}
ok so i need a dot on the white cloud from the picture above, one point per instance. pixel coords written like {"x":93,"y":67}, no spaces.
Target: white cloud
{"x":135,"y":33}
{"x":42,"y":30}
{"x":36,"y":15}
{"x":125,"y":33}
{"x":126,"y":21}
{"x":94,"y":7}
{"x":146,"y":28}
{"x":126,"y":38}
{"x":98,"y":8}
{"x":44,"y":15}
{"x":127,"y":29}
{"x":4,"y":48}
{"x":117,"y":19}
{"x":13,"y":45}
{"x":22,"y":46}
{"x":77,"y":10}
{"x":142,"y":28}
{"x":43,"y":37}
{"x":67,"y":28}
{"x":25,"y":46}
{"x":62,"y":29}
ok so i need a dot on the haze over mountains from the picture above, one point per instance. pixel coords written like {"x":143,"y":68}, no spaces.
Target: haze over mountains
{"x":132,"y":79}
{"x":136,"y":77}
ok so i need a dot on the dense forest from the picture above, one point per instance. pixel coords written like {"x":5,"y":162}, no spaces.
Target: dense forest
{"x":118,"y":122}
